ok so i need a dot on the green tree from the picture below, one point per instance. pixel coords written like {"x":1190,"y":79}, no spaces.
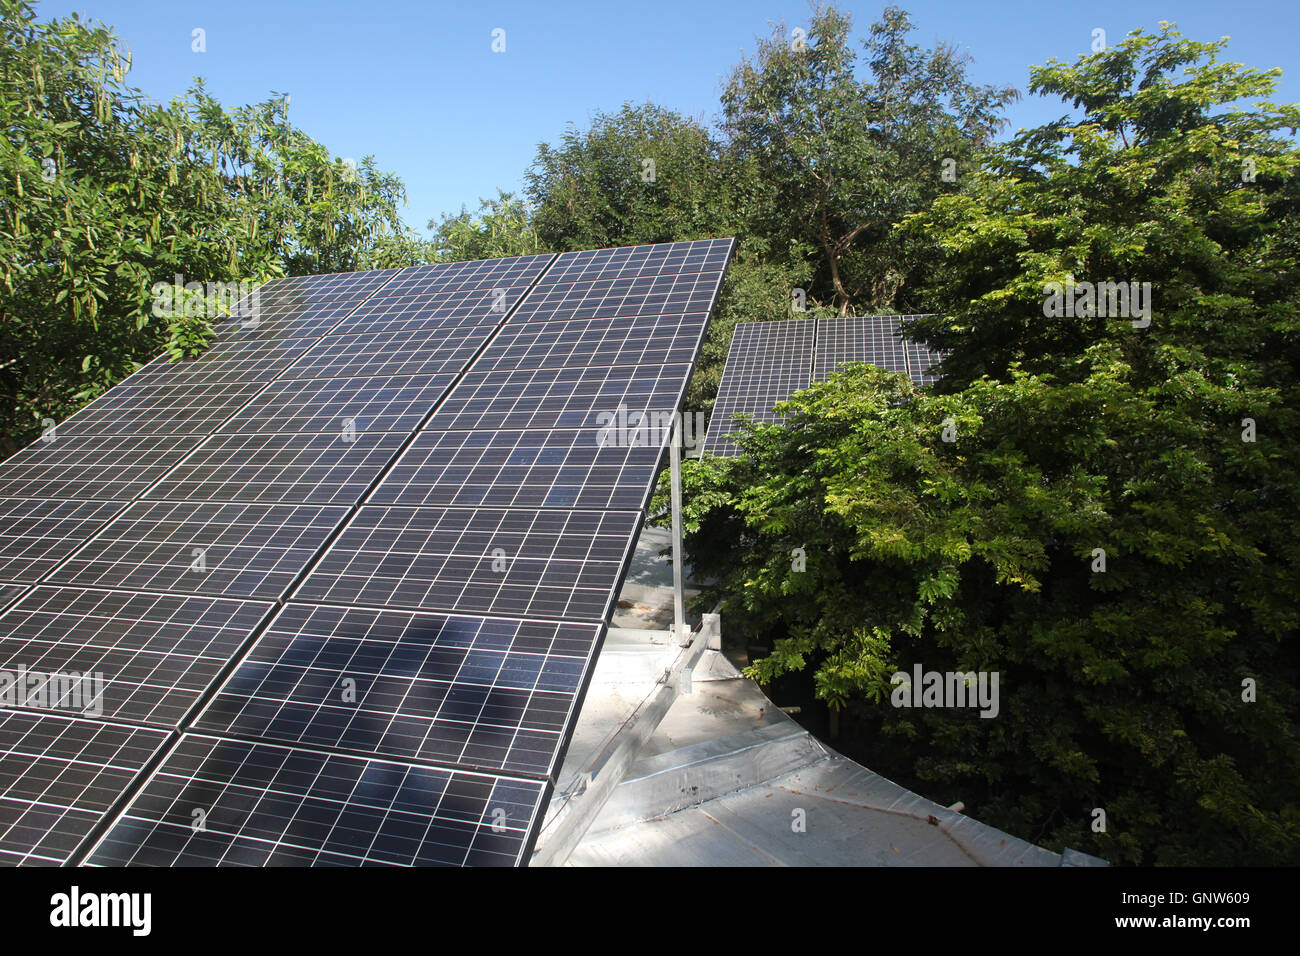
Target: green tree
{"x":1106,"y":515}
{"x":837,"y":160}
{"x":502,"y":227}
{"x":104,"y":193}
{"x":644,"y":174}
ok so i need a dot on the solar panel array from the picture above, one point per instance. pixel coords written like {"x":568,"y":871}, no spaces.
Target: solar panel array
{"x":331,"y":592}
{"x":770,"y":361}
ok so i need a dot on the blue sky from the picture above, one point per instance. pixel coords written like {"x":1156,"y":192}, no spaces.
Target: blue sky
{"x":417,"y":85}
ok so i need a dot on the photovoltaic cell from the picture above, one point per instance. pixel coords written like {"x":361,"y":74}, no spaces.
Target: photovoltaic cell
{"x":475,"y":692}
{"x":766,"y":364}
{"x":236,"y":550}
{"x":334,"y":405}
{"x":111,"y":467}
{"x":709,"y":255}
{"x":154,"y":653}
{"x":873,"y":339}
{"x":646,"y":340}
{"x":553,"y":563}
{"x":525,"y":469}
{"x":267,"y":805}
{"x":328,"y":468}
{"x":36,"y":534}
{"x":558,"y":398}
{"x":58,"y":778}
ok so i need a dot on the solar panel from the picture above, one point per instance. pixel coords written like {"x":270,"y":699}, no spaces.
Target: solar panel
{"x":185,"y":409}
{"x":477,"y":693}
{"x":326,"y":468}
{"x":643,"y":340}
{"x":35,"y":535}
{"x":873,"y":339}
{"x":668,"y":294}
{"x":529,"y":468}
{"x":388,"y":354}
{"x":236,"y":550}
{"x":569,"y":397}
{"x":548,"y":563}
{"x":340,"y":404}
{"x":473,"y":403}
{"x":766,"y":364}
{"x":769,"y":361}
{"x":59,"y":777}
{"x":266,"y":805}
{"x":141,"y":658}
{"x":76,"y":467}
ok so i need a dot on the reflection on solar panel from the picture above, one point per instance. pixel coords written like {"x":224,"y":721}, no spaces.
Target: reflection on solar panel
{"x":359,"y":553}
{"x":154,"y":653}
{"x":35,"y":535}
{"x":237,"y":550}
{"x":60,"y":777}
{"x":544,"y":562}
{"x":327,"y":468}
{"x":104,"y":467}
{"x":264,"y":805}
{"x":491,"y":693}
{"x":530,"y":468}
{"x":769,"y":361}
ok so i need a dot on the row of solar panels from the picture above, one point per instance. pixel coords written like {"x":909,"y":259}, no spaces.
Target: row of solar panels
{"x":770,"y":361}
{"x":344,"y":575}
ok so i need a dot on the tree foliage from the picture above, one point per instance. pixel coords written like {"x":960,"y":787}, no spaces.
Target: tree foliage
{"x":104,"y":192}
{"x":1113,"y":527}
{"x":838,"y":158}
{"x":644,"y":174}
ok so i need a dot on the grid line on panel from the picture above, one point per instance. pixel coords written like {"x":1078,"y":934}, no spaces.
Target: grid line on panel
{"x":59,"y":778}
{"x":270,"y":805}
{"x":36,"y":535}
{"x":141,"y":658}
{"x":551,"y":563}
{"x":75,"y":467}
{"x":873,"y":339}
{"x":228,"y":549}
{"x":767,"y":362}
{"x":527,"y":468}
{"x":477,"y":693}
